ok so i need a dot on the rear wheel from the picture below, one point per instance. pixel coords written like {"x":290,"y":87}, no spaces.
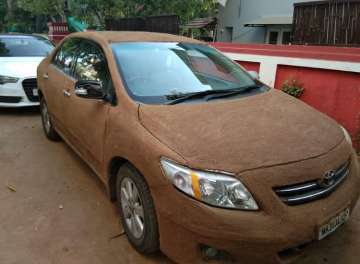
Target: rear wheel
{"x":137,"y":210}
{"x":49,"y":130}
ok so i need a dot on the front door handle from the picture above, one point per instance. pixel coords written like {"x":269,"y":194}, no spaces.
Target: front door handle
{"x":46,"y":76}
{"x":66,"y":93}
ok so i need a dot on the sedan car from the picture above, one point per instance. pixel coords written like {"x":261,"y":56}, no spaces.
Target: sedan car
{"x":204,"y":161}
{"x":20,"y":56}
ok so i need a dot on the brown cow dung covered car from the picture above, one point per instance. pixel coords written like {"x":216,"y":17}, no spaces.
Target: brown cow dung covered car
{"x":205,"y":162}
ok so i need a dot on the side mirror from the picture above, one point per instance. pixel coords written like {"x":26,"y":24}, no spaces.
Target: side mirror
{"x":89,"y":89}
{"x":254,"y":75}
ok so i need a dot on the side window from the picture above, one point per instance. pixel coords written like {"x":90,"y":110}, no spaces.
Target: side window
{"x":65,"y":57}
{"x":91,"y":65}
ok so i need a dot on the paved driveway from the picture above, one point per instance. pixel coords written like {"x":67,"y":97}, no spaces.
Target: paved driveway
{"x":60,"y":213}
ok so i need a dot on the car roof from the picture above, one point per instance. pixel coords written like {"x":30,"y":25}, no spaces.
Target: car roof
{"x":132,"y":36}
{"x":17,"y":35}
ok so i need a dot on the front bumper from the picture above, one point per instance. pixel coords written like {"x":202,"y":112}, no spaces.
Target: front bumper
{"x":254,"y":237}
{"x":13,"y":95}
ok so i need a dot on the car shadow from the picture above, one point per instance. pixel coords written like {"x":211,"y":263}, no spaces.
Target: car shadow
{"x":157,"y":257}
{"x":23,"y":111}
{"x":32,"y":113}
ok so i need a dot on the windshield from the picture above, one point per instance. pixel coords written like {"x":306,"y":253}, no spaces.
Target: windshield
{"x":24,"y":46}
{"x":157,"y":72}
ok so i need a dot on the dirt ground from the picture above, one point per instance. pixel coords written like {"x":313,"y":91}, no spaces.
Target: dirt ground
{"x":58,"y":213}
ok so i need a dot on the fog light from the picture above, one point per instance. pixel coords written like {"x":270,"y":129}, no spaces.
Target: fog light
{"x":210,"y":252}
{"x":213,"y":254}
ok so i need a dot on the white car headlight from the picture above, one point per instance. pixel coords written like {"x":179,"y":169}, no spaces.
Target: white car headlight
{"x":212,"y":188}
{"x":8,"y":79}
{"x":347,"y":136}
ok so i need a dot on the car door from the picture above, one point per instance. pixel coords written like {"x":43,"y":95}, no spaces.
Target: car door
{"x":86,"y":118}
{"x":58,"y":71}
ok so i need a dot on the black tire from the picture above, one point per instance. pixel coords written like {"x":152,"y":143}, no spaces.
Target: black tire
{"x":148,"y":243}
{"x":48,"y":127}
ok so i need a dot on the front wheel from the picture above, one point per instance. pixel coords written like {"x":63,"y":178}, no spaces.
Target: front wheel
{"x":137,"y":210}
{"x":49,"y":130}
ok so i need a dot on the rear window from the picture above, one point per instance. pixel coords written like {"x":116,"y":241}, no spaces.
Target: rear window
{"x":26,"y":46}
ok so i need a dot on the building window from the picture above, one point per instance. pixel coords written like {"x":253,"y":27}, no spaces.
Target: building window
{"x":286,"y":37}
{"x":273,"y":37}
{"x":229,"y":33}
{"x":278,"y":35}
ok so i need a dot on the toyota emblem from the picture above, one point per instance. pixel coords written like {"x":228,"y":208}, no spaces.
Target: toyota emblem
{"x":328,"y":179}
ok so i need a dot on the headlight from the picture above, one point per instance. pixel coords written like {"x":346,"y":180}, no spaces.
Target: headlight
{"x":8,"y":79}
{"x":212,"y":188}
{"x":347,"y":136}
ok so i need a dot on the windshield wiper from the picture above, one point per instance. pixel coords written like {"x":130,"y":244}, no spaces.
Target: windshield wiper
{"x":234,"y":92}
{"x":179,"y":98}
{"x":218,"y":94}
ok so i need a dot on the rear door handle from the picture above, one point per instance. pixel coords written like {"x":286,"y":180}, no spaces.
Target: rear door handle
{"x":46,"y":76}
{"x":66,"y":93}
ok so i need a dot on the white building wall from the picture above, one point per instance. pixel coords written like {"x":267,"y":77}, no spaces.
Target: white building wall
{"x":269,"y":64}
{"x":238,"y":12}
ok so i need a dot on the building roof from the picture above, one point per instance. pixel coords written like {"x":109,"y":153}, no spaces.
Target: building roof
{"x":324,"y":2}
{"x":201,"y":23}
{"x":270,"y":20}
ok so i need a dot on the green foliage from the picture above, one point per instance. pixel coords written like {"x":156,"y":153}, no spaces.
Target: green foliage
{"x":42,"y":7}
{"x":2,"y":14}
{"x":293,"y":88}
{"x":94,"y":12}
{"x":15,"y":19}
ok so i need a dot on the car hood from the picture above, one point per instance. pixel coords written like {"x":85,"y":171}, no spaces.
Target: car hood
{"x":258,"y":131}
{"x":20,"y":67}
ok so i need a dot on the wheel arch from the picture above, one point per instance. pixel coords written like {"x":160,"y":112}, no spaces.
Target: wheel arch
{"x":40,"y":94}
{"x":113,"y":168}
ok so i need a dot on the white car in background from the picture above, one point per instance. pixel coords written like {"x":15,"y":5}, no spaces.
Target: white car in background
{"x":20,"y":56}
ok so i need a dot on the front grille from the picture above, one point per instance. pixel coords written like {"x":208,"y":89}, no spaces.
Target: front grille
{"x":310,"y":191}
{"x":30,"y":85}
{"x":10,"y":99}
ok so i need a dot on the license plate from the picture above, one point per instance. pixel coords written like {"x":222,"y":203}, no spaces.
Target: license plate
{"x":333,"y":224}
{"x":35,"y":92}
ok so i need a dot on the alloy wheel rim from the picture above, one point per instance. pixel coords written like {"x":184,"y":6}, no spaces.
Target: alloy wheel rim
{"x":132,"y":208}
{"x":46,"y":118}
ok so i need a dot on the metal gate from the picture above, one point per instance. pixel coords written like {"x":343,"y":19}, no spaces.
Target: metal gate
{"x":333,"y":22}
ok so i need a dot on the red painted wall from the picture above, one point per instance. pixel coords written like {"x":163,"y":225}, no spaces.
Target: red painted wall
{"x":335,"y":93}
{"x":250,"y":66}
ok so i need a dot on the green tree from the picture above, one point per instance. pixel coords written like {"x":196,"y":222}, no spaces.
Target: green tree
{"x":186,"y":9}
{"x":2,"y":14}
{"x":94,"y":12}
{"x":13,"y":18}
{"x":98,"y":10}
{"x":52,"y":8}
